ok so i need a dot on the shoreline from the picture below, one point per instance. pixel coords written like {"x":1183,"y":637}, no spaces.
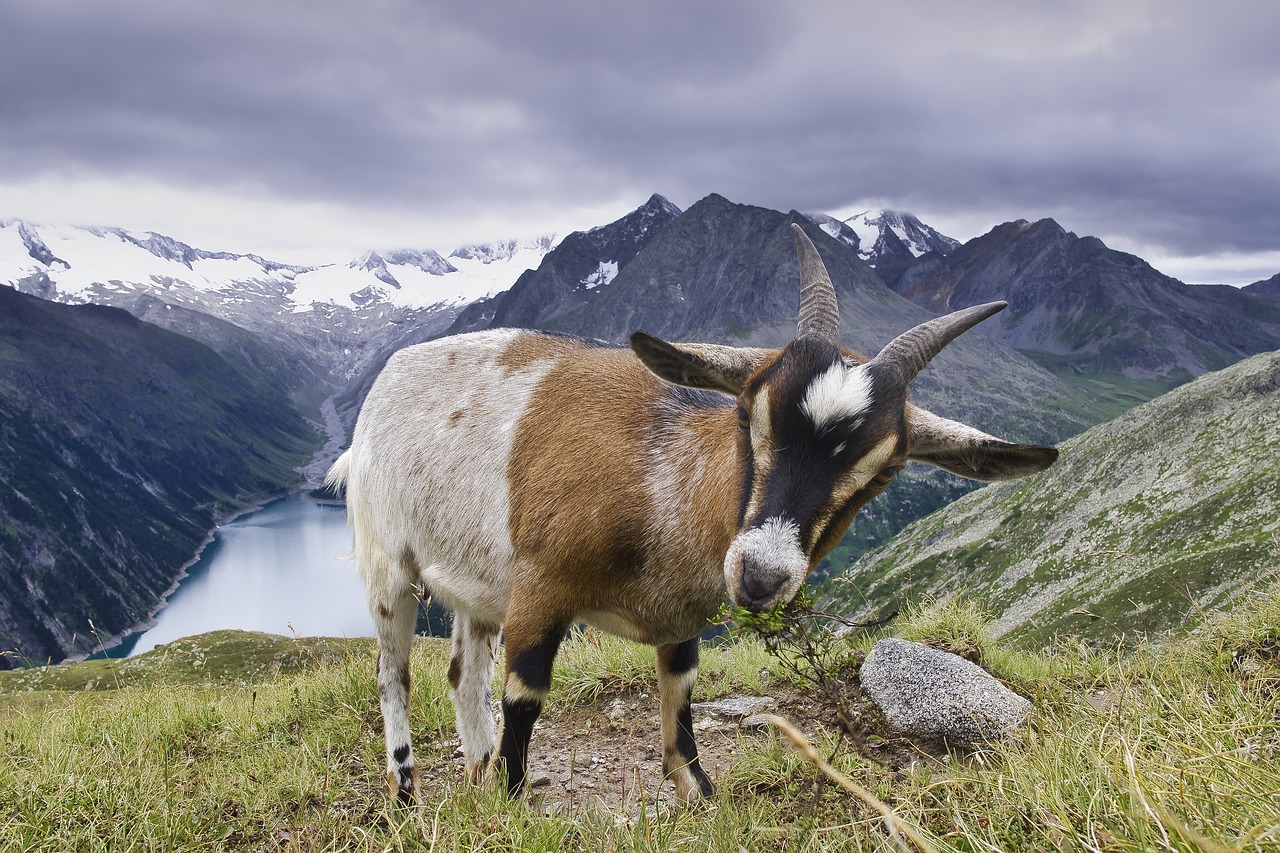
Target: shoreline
{"x":256,"y":504}
{"x":308,"y":482}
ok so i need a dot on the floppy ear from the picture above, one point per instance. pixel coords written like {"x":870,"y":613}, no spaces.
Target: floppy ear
{"x":708,"y":366}
{"x":969,"y":452}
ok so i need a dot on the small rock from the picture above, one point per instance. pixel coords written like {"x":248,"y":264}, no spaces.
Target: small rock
{"x":756,"y":721}
{"x":711,"y":723}
{"x":540,"y":781}
{"x":931,"y":693}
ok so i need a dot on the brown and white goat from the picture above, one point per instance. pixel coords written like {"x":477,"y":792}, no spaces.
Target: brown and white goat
{"x":530,"y":482}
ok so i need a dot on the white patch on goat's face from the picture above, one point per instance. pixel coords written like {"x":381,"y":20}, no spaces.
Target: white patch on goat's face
{"x":838,"y":393}
{"x":767,"y":558}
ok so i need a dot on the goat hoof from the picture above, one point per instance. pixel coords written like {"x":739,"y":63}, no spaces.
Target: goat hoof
{"x":403,"y":787}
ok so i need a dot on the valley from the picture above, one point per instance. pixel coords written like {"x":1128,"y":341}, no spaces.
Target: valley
{"x":152,"y":388}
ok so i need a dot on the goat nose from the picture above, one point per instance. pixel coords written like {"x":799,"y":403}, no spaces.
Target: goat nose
{"x":759,"y":584}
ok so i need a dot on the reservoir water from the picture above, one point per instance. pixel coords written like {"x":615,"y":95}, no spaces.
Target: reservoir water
{"x":276,"y":570}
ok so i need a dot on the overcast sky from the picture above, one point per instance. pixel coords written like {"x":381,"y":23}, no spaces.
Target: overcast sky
{"x":311,"y":130}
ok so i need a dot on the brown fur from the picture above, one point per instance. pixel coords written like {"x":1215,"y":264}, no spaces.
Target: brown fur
{"x":584,"y":532}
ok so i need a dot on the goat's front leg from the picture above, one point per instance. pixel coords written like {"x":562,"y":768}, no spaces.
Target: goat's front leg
{"x":531,"y":646}
{"x":677,"y":671}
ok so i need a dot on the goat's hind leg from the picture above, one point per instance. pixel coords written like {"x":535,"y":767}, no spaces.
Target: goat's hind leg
{"x":471,"y":689}
{"x":395,"y":612}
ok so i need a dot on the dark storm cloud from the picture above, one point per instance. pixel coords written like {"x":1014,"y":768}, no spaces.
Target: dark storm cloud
{"x":1155,"y":121}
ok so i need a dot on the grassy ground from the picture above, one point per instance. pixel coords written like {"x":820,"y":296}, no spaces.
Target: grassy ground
{"x":238,"y":742}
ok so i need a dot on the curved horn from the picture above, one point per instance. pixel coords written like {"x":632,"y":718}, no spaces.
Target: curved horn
{"x":910,"y":351}
{"x":819,"y":315}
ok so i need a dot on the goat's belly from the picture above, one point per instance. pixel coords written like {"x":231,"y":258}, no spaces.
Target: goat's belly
{"x":484,"y":593}
{"x":675,"y":623}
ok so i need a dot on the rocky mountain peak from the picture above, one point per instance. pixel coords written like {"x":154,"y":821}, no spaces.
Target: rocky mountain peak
{"x":1267,"y":287}
{"x":582,"y":265}
{"x":374,"y":263}
{"x":426,"y":260}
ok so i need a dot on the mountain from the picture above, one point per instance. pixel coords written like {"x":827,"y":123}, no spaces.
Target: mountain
{"x":1268,"y":287}
{"x":569,"y":276}
{"x":1171,"y":509}
{"x":311,"y":338}
{"x":727,"y":273}
{"x":888,"y":240}
{"x":1079,"y":307}
{"x":77,"y":264}
{"x":121,"y":445}
{"x":335,"y":322}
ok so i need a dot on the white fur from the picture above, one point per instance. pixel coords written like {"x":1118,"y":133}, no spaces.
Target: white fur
{"x":474,"y":647}
{"x":433,"y":484}
{"x":775,"y":548}
{"x":427,"y":500}
{"x":839,"y":393}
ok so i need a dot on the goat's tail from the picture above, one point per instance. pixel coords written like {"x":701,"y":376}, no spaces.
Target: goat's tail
{"x":336,"y":479}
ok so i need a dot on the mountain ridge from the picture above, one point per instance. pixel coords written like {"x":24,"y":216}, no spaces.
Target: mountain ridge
{"x":1080,"y":306}
{"x":121,"y":444}
{"x":1168,"y":508}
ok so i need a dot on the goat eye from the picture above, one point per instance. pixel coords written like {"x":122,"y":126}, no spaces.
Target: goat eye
{"x":883,"y":478}
{"x":744,"y":419}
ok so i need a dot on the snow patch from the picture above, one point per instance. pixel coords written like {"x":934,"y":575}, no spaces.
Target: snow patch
{"x":605,"y":273}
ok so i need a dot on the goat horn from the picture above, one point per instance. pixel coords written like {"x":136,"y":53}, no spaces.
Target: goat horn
{"x":910,"y":351}
{"x":819,"y":315}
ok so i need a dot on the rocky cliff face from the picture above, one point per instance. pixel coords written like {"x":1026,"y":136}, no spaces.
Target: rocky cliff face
{"x":1080,"y":306}
{"x":121,"y":444}
{"x":573,"y":274}
{"x":1169,"y":508}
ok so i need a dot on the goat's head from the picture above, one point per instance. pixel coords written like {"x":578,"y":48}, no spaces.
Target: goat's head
{"x":822,"y":430}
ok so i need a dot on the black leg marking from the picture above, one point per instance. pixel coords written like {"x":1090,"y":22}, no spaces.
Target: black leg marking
{"x":517,"y":727}
{"x":677,"y":669}
{"x":404,"y":792}
{"x":683,"y":658}
{"x":533,"y":665}
{"x":455,"y":672}
{"x":401,"y":753}
{"x":688,"y":749}
{"x":528,"y":680}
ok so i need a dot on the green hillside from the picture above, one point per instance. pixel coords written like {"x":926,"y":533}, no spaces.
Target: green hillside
{"x":1145,"y":522}
{"x":236,"y":741}
{"x":121,"y":445}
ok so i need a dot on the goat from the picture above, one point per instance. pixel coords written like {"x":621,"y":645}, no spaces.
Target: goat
{"x":529,"y":482}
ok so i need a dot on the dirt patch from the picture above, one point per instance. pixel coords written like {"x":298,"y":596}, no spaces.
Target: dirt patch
{"x":606,"y":755}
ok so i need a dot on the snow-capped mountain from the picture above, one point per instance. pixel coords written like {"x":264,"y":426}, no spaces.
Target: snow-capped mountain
{"x":874,"y":228}
{"x":341,"y":319}
{"x":77,"y":264}
{"x":880,"y":235}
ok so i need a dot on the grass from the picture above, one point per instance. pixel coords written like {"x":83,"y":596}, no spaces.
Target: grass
{"x":1166,"y":747}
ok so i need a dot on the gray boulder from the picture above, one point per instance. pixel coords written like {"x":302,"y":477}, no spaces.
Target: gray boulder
{"x":926,"y":692}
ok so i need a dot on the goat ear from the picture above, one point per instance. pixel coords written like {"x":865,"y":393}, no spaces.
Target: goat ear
{"x":707,"y":366}
{"x":970,"y":452}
